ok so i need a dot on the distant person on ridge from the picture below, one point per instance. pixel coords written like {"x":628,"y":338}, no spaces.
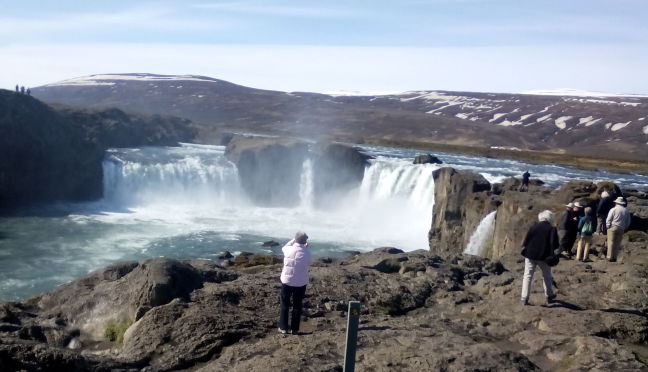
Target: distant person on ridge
{"x":525,"y":181}
{"x":586,"y":228}
{"x":618,"y":220}
{"x":17,"y":89}
{"x":568,"y":228}
{"x":22,"y":89}
{"x":605,"y":204}
{"x":28,"y":92}
{"x":294,"y":277}
{"x":540,"y":242}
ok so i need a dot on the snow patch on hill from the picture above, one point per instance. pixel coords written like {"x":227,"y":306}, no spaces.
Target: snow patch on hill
{"x":577,"y":93}
{"x":108,"y":79}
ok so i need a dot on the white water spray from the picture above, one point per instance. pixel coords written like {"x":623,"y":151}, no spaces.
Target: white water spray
{"x":482,"y":235}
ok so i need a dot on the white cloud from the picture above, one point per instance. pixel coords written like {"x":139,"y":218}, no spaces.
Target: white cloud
{"x":291,"y":9}
{"x":157,"y":18}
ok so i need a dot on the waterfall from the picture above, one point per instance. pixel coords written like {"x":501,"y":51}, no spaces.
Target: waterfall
{"x":187,"y":174}
{"x":388,"y":178}
{"x":197,"y":186}
{"x":306,"y":184}
{"x":482,"y":235}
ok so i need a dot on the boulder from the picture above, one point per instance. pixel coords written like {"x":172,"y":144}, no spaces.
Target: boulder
{"x":269,"y":168}
{"x":337,"y":168}
{"x":426,"y":159}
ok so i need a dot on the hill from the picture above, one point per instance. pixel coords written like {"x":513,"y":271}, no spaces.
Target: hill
{"x":614,"y":127}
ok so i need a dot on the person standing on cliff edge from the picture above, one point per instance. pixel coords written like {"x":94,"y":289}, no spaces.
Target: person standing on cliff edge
{"x":294,"y":278}
{"x":540,"y":242}
{"x":525,"y":181}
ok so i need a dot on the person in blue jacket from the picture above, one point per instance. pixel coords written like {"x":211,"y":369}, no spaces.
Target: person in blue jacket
{"x":586,"y":228}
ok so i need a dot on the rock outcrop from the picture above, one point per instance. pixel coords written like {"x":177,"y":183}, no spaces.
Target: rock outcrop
{"x":269,"y":168}
{"x":427,"y":159}
{"x":337,"y":168}
{"x":49,"y":154}
{"x":462,"y":199}
{"x":202,"y":317}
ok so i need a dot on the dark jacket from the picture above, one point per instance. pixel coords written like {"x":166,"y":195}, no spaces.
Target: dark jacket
{"x":569,"y":221}
{"x":604,"y":206}
{"x":586,"y":218}
{"x":540,"y":242}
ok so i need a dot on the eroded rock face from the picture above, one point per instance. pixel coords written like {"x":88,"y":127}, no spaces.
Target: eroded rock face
{"x":461,"y":200}
{"x":337,"y":168}
{"x":269,"y":168}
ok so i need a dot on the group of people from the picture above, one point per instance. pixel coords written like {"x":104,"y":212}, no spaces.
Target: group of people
{"x":543,"y":242}
{"x":22,"y":90}
{"x":581,"y":223}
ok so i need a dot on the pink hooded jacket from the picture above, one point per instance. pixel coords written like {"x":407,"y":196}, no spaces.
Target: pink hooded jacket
{"x":297,"y":260}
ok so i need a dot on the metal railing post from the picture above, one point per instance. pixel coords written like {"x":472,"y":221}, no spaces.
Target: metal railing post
{"x":353,"y":318}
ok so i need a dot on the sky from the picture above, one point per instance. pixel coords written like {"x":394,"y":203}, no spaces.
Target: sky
{"x":375,"y":46}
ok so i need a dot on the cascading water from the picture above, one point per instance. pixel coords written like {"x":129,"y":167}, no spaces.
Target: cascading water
{"x":188,"y":174}
{"x":306,"y":184}
{"x":482,"y":235}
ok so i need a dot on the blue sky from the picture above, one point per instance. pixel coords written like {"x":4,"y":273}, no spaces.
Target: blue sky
{"x":378,"y":46}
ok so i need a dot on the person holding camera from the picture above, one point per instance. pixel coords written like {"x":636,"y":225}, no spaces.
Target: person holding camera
{"x":294,"y":277}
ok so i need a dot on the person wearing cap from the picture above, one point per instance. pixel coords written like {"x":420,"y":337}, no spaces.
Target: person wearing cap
{"x":540,"y":242}
{"x":294,"y":277}
{"x":586,"y":228}
{"x":618,"y":220}
{"x":568,"y":228}
{"x":605,"y":204}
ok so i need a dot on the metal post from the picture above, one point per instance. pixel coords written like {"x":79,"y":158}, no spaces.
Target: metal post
{"x":351,"y":336}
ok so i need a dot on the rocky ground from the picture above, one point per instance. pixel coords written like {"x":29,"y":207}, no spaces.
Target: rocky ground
{"x":420,"y":312}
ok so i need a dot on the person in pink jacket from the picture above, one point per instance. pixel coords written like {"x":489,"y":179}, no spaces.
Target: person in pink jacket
{"x":294,"y":277}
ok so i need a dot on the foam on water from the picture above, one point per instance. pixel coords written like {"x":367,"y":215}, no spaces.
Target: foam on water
{"x":482,"y":235}
{"x":186,"y":202}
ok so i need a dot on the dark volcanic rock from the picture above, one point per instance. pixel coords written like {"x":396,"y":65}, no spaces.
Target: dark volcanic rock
{"x":50,"y":155}
{"x":458,"y":209}
{"x":427,"y":159}
{"x":337,"y":168}
{"x":462,"y":199}
{"x":465,"y":307}
{"x":269,"y":168}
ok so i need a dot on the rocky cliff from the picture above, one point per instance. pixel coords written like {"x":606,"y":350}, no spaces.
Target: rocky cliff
{"x":419,"y":312}
{"x":271,"y":169}
{"x":49,"y":154}
{"x":463,"y":199}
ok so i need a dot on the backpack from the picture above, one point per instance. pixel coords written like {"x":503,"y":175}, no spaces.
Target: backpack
{"x":587,"y":228}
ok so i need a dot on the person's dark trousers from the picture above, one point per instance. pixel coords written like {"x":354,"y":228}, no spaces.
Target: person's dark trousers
{"x":567,"y":240}
{"x":297,"y":295}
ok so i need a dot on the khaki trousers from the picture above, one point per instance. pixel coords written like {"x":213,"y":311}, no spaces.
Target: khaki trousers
{"x":584,"y":244}
{"x":529,"y":269}
{"x":614,"y":236}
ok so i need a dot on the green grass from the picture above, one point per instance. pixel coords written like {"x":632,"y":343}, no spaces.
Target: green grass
{"x":115,"y":331}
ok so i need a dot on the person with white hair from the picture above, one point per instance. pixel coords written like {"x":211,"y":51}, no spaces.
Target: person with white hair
{"x":294,"y":277}
{"x":605,"y":204}
{"x":618,"y":221}
{"x":540,"y":243}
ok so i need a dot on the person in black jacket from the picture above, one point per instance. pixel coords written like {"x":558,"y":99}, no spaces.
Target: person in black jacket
{"x":568,"y":227}
{"x":605,"y":204}
{"x":541,"y":241}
